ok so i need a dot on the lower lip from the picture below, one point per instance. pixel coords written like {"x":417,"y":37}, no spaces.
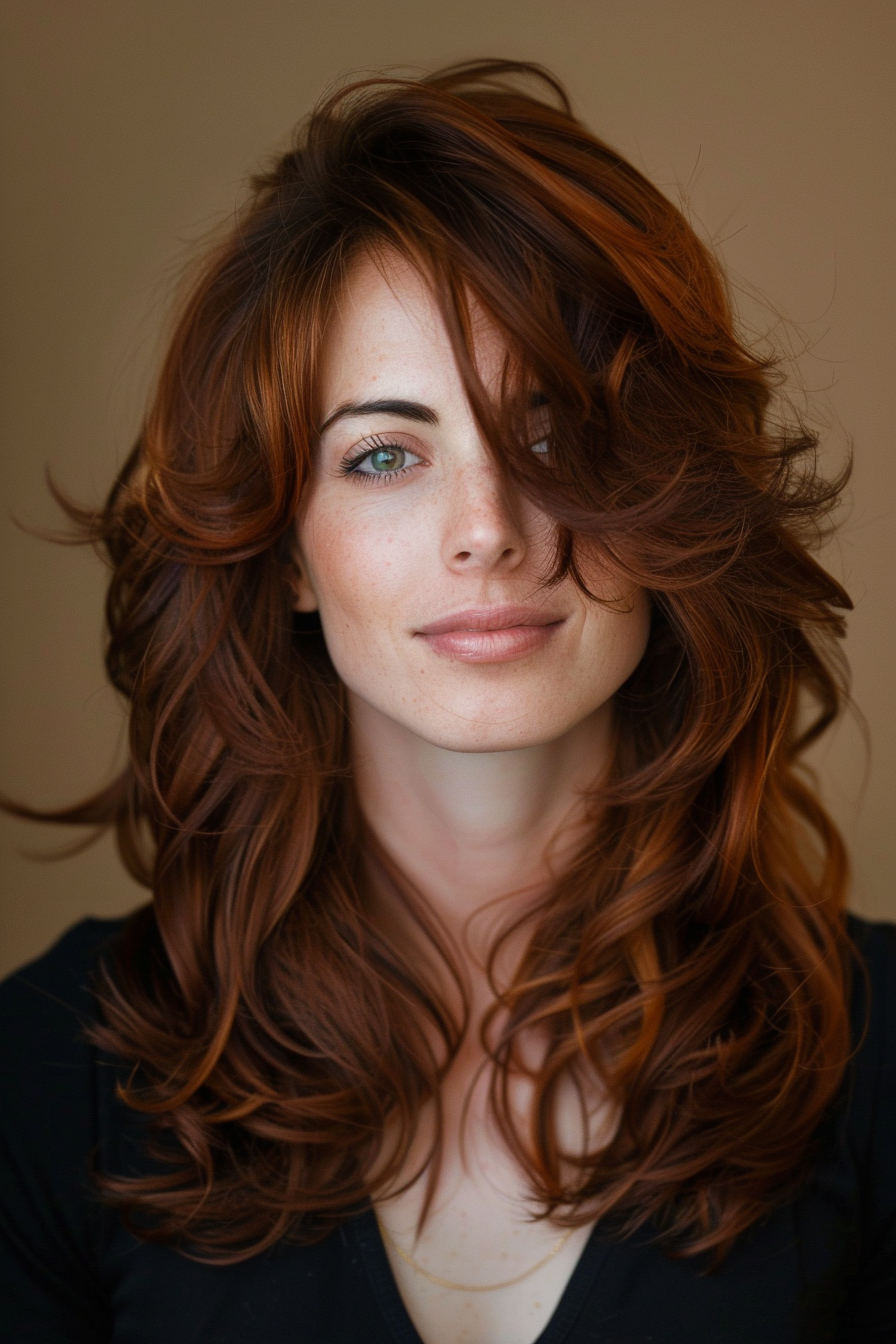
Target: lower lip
{"x":491,"y":646}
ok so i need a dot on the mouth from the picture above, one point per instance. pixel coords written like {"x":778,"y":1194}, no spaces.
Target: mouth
{"x":491,"y":634}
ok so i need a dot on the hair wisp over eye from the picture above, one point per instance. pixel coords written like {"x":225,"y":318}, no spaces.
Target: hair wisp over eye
{"x":693,"y":955}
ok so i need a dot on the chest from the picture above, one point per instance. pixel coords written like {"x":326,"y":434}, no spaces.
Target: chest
{"x":787,"y":1280}
{"x":481,"y":1267}
{"x":481,"y":1275}
{"x":789,"y":1284}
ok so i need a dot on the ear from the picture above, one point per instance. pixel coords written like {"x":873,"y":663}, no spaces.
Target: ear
{"x":304,"y":597}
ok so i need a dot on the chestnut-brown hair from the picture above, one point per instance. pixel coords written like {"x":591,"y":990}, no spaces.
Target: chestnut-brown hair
{"x":693,"y":956}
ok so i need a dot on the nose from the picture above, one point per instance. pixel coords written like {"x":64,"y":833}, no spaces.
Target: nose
{"x":484,"y":529}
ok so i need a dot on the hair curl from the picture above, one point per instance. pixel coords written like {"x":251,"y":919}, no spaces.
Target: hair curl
{"x":693,"y":956}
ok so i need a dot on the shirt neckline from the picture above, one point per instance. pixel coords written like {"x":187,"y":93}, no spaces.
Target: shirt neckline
{"x":365,"y":1232}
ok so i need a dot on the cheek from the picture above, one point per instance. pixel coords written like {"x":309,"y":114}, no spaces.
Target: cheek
{"x":618,"y":640}
{"x":360,"y":576}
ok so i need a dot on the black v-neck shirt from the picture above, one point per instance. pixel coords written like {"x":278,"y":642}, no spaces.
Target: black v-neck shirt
{"x":820,"y":1269}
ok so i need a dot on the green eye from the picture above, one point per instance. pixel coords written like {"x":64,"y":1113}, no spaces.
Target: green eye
{"x":385,"y":462}
{"x":385,"y":459}
{"x":382,"y":460}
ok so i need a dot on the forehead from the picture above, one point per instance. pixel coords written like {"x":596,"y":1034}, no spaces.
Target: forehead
{"x":386,"y":336}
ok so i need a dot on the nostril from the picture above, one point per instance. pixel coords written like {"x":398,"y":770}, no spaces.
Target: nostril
{"x":463,"y":555}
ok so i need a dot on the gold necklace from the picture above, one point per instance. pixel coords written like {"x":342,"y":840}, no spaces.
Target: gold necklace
{"x":472,"y":1287}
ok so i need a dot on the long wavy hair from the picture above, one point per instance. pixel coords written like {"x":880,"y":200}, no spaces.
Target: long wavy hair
{"x":693,"y":957}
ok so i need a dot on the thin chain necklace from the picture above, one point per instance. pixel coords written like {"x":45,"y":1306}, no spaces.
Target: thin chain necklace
{"x":473,"y":1287}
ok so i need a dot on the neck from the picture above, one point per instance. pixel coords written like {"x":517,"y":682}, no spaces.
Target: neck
{"x":469,"y":827}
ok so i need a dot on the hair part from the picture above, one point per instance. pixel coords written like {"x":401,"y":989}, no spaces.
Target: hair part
{"x":693,"y":957}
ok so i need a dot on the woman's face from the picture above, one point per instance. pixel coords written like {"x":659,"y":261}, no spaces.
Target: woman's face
{"x":426,"y":567}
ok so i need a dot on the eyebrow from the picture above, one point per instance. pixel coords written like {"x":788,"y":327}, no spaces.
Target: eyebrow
{"x":408,"y":410}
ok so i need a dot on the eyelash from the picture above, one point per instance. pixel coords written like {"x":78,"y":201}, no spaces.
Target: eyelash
{"x":349,"y":466}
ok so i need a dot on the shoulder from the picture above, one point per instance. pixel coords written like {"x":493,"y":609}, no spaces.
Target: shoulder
{"x":50,"y":1095}
{"x":46,"y":1062}
{"x":44,"y":1004}
{"x":870,"y":1129}
{"x":872,"y":1075}
{"x":872,"y":1081}
{"x":874,"y":940}
{"x":874,"y":995}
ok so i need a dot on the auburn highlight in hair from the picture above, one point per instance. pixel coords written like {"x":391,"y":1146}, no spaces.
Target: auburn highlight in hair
{"x":693,"y":957}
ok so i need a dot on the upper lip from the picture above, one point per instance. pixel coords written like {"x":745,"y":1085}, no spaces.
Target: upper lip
{"x":490,"y":618}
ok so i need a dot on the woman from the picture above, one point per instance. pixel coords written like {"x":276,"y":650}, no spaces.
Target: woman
{"x":496,"y":984}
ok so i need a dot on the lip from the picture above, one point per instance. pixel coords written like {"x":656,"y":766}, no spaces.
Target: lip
{"x":491,"y":634}
{"x":491,"y":618}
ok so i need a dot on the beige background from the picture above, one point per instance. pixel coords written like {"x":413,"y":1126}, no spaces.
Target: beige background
{"x":128,"y":126}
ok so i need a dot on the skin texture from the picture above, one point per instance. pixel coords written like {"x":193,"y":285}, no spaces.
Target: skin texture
{"x":472,"y":751}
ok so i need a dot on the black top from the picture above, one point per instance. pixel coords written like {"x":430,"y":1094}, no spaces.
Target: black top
{"x":821,"y":1269}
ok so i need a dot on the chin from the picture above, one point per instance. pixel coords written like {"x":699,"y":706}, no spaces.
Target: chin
{"x":469,"y":732}
{"x":484,"y":740}
{"x":506,"y":718}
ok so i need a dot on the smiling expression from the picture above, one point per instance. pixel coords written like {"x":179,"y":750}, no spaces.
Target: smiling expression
{"x":425,"y":564}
